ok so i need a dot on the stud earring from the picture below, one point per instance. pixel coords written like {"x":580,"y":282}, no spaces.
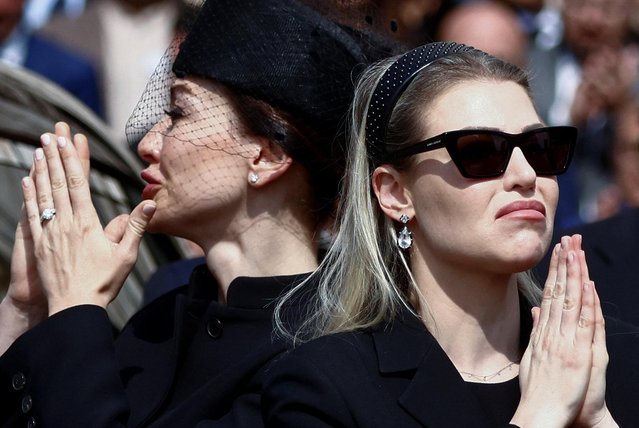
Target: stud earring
{"x":404,"y":237}
{"x":253,"y":178}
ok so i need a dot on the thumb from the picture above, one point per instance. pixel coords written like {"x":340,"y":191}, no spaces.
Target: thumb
{"x":127,"y":230}
{"x":137,"y":223}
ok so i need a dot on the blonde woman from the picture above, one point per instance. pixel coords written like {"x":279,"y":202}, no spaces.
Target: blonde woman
{"x":425,"y":314}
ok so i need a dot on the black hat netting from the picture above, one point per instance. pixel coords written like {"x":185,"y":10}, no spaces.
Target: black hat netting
{"x":278,"y":69}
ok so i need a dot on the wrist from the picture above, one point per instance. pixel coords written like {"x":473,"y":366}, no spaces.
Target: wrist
{"x":16,"y":319}
{"x":60,"y":304}
{"x":14,"y":312}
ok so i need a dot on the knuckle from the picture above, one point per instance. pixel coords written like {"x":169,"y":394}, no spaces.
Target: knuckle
{"x":43,"y":199}
{"x":558,"y":290}
{"x":33,"y":218}
{"x":137,"y":226}
{"x":569,"y":304}
{"x":76,"y":181}
{"x":548,"y":293}
{"x":58,"y":184}
{"x":584,"y":321}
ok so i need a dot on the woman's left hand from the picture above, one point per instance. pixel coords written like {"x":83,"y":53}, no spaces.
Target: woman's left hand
{"x":78,"y":261}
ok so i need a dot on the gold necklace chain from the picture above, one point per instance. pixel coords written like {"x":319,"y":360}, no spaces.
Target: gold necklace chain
{"x":486,"y":378}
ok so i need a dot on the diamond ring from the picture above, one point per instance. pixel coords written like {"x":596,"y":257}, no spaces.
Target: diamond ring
{"x":47,"y":214}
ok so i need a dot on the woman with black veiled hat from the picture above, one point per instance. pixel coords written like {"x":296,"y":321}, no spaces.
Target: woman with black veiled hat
{"x":243,"y":159}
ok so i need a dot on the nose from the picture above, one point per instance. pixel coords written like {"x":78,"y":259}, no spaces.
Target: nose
{"x":150,"y":145}
{"x":519,"y":175}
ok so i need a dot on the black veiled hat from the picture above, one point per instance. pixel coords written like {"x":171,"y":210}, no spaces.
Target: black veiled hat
{"x":283,"y":52}
{"x":306,"y":62}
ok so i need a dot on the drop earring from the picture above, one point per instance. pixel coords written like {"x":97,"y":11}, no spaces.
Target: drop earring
{"x":404,"y":237}
{"x":253,"y":177}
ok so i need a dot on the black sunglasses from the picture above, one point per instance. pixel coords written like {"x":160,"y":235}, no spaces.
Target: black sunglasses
{"x":480,"y":153}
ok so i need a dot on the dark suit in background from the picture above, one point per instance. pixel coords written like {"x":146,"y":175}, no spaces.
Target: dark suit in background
{"x":70,"y":71}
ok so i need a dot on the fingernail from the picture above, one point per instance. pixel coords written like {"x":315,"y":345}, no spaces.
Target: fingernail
{"x":148,"y":209}
{"x":45,"y":139}
{"x":39,"y":154}
{"x":62,"y":142}
{"x":26,"y":181}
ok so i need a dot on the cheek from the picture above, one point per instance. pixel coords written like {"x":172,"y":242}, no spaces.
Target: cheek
{"x":549,"y":189}
{"x":442,"y":211}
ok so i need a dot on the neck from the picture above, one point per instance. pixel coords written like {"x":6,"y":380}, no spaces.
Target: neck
{"x":265,"y":247}
{"x":473,"y":315}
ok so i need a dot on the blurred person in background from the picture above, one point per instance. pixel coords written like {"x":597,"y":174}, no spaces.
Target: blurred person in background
{"x":488,"y":25}
{"x":70,"y":70}
{"x":584,"y":80}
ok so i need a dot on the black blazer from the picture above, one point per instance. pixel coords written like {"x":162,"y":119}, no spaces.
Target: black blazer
{"x":398,"y":376}
{"x":184,"y":360}
{"x":612,"y":252}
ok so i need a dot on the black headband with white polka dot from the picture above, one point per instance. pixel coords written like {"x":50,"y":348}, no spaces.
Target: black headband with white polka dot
{"x":391,"y":86}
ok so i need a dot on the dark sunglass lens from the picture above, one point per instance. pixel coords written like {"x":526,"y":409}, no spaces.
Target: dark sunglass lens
{"x":481,"y":154}
{"x":547,"y":151}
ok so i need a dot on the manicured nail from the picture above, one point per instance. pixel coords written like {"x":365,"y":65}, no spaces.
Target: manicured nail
{"x":45,"y":139}
{"x":148,"y":209}
{"x":26,"y":181}
{"x":62,"y":142}
{"x":39,"y":154}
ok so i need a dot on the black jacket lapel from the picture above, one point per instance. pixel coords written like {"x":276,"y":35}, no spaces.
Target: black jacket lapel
{"x":435,"y":395}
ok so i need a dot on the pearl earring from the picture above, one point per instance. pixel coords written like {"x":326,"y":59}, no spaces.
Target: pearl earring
{"x":253,"y":178}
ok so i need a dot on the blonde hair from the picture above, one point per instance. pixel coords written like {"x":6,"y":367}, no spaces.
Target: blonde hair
{"x":365,"y":278}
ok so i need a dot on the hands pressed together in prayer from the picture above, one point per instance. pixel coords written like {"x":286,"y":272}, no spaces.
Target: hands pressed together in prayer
{"x":563,"y":370}
{"x":66,"y":258}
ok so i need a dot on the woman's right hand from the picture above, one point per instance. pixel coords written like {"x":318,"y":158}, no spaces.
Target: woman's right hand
{"x":25,"y":304}
{"x":78,"y":261}
{"x":556,"y":367}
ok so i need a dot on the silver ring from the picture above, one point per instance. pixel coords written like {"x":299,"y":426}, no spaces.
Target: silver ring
{"x":47,"y":214}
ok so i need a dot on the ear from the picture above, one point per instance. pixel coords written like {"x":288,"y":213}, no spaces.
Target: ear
{"x":269,"y":164}
{"x":393,"y":197}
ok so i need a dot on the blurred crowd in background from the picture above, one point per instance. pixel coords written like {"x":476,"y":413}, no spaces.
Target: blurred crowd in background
{"x":583,"y":56}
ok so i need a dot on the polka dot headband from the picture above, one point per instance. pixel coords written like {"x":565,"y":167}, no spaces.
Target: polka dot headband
{"x":393,"y":84}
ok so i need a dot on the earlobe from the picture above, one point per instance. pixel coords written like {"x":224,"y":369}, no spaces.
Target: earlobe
{"x":393,"y":197}
{"x":269,"y":164}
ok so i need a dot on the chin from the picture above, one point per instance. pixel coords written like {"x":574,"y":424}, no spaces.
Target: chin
{"x":521,"y":261}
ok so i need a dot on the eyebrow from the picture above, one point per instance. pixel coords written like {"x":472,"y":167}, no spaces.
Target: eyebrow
{"x":490,"y":128}
{"x":180,"y":87}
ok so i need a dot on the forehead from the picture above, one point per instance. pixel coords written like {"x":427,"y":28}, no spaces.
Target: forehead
{"x":482,"y":104}
{"x":197,"y":87}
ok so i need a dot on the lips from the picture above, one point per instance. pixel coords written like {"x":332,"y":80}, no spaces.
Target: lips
{"x":523,"y":209}
{"x":152,"y":187}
